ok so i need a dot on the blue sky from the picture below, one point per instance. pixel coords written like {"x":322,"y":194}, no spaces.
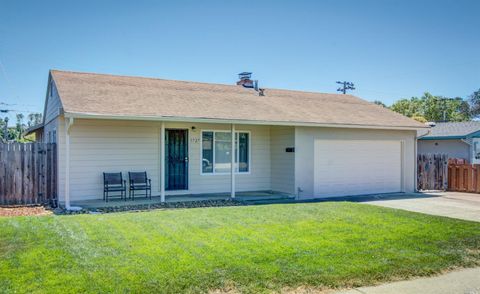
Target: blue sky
{"x":389,"y":49}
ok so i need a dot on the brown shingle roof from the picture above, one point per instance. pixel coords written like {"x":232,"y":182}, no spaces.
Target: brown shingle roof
{"x":109,"y":95}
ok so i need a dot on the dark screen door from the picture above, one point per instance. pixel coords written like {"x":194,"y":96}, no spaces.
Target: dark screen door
{"x":176,"y":159}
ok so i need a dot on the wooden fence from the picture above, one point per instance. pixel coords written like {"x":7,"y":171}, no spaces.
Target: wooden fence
{"x":28,"y":173}
{"x":464,"y":177}
{"x":432,"y":172}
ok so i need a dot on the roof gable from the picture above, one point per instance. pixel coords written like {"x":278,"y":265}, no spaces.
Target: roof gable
{"x":108,"y":95}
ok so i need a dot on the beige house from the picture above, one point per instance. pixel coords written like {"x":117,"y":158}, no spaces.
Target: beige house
{"x":303,"y":144}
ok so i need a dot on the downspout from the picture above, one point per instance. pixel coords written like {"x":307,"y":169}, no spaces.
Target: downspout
{"x":68,"y":125}
{"x":232,"y":163}
{"x":416,"y":158}
{"x":162,"y":162}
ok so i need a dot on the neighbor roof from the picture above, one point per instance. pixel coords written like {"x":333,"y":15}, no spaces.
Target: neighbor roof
{"x":103,"y":95}
{"x":453,"y":130}
{"x":33,"y":129}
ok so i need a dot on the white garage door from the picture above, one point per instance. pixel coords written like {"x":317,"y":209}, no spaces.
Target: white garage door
{"x":357,"y":167}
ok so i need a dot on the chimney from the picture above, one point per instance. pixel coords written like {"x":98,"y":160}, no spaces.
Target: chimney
{"x":245,"y":79}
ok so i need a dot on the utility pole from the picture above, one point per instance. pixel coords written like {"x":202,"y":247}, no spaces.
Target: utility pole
{"x":345,"y":86}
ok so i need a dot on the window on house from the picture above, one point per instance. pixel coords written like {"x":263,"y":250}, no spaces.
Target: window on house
{"x":54,"y":136}
{"x":216,"y":152}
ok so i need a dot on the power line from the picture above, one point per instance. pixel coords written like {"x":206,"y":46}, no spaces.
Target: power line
{"x":2,"y":110}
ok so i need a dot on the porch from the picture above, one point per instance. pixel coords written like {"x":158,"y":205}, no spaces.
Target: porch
{"x":252,"y":197}
{"x":194,"y":160}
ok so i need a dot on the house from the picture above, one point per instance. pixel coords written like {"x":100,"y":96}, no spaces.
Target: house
{"x":299,"y":143}
{"x":457,"y":139}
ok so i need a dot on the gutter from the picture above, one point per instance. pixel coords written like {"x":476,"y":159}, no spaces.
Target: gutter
{"x":234,"y":121}
{"x":426,"y":134}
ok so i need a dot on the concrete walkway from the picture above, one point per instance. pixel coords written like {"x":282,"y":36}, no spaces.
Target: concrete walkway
{"x":466,"y":281}
{"x":451,"y":204}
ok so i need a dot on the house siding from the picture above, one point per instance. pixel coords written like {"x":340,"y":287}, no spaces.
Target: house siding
{"x":282,"y":162}
{"x":53,"y":104}
{"x":99,"y":146}
{"x":304,"y":153}
{"x":454,"y":148}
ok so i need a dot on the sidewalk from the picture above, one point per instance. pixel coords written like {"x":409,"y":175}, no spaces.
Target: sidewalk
{"x":465,"y":281}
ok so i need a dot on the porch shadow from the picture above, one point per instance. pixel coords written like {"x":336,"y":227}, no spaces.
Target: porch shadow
{"x":250,"y":197}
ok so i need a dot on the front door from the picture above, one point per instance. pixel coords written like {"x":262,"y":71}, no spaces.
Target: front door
{"x":176,"y":159}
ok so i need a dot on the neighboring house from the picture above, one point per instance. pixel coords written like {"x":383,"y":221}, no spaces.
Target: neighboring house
{"x":457,"y":139}
{"x":37,"y":130}
{"x":300,"y":143}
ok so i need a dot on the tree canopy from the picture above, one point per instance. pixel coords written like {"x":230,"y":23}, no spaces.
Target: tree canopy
{"x":436,"y":108}
{"x":9,"y":132}
{"x":474,"y":101}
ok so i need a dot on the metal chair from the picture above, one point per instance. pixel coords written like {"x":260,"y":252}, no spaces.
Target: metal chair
{"x":114,"y":182}
{"x":139,"y":182}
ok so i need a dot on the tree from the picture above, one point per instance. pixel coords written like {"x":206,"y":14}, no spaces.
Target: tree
{"x":420,"y":118}
{"x":474,"y":101}
{"x":20,"y":128}
{"x":2,"y":129}
{"x":378,"y":102}
{"x":34,"y":119}
{"x":408,"y":107}
{"x":434,"y":108}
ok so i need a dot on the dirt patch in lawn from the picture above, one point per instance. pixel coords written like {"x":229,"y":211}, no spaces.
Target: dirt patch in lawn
{"x":23,"y":211}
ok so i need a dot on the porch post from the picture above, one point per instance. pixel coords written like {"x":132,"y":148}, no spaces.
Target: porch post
{"x":232,"y":165}
{"x":162,"y":163}
{"x":68,"y":125}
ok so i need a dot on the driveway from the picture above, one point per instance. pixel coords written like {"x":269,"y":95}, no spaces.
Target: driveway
{"x":463,"y":281}
{"x":451,"y":204}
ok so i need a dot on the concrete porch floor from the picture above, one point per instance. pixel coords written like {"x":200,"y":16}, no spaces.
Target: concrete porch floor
{"x":253,"y":196}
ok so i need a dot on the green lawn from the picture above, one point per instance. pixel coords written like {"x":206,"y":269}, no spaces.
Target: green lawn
{"x":249,"y":249}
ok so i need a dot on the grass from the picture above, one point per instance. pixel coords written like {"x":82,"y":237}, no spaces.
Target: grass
{"x":249,"y":249}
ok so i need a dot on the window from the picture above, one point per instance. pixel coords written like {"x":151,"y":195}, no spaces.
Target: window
{"x":216,"y":152}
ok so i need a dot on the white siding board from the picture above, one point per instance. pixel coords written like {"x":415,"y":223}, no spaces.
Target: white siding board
{"x":99,"y":146}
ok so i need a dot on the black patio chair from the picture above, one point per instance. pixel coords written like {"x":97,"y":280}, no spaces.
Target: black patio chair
{"x":139,"y":182}
{"x":114,"y":182}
